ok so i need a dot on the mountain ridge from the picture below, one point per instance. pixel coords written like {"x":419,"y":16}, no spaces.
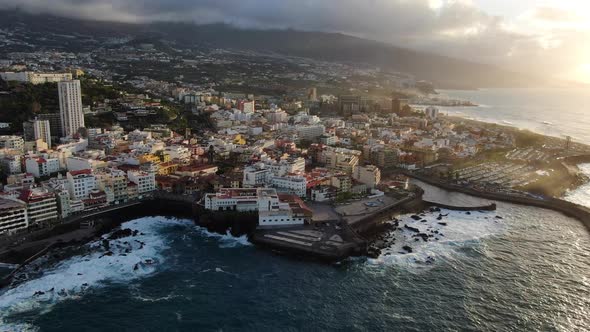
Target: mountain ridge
{"x":443,"y":71}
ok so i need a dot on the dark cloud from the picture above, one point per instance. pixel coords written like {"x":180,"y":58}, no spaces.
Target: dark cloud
{"x":457,"y":28}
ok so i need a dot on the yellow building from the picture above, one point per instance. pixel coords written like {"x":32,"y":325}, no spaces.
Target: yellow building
{"x":239,"y":140}
{"x":149,"y":158}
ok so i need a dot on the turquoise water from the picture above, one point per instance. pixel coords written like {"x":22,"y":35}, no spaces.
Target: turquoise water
{"x":525,"y":272}
{"x":554,"y":112}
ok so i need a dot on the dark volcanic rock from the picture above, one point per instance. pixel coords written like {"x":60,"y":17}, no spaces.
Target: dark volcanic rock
{"x":442,"y":223}
{"x":121,"y":233}
{"x":407,"y":248}
{"x":415,"y":217}
{"x":412,"y":229}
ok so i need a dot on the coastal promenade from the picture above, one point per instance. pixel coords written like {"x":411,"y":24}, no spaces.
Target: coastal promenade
{"x":569,"y":209}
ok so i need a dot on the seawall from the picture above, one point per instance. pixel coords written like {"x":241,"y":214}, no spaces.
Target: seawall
{"x":373,"y":222}
{"x":569,"y":209}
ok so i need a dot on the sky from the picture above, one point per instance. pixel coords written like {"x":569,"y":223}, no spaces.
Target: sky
{"x":546,"y":37}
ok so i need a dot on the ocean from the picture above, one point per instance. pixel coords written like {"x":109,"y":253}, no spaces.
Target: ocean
{"x":527,"y":271}
{"x":553,"y":112}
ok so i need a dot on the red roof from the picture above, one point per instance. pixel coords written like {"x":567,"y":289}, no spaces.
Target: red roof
{"x":82,"y":171}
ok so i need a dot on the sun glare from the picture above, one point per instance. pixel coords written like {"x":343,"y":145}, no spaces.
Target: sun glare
{"x":585,"y":72}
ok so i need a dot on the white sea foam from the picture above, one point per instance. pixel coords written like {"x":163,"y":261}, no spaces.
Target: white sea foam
{"x":580,"y":195}
{"x":461,"y":230}
{"x":71,"y":278}
{"x":226,"y":240}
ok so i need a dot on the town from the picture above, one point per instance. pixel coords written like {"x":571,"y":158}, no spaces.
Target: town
{"x":93,"y":139}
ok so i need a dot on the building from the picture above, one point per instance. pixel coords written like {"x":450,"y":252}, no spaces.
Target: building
{"x":80,"y":183}
{"x":35,"y":78}
{"x":398,"y":105}
{"x":312,"y":94}
{"x":247,"y":106}
{"x":54,"y":123}
{"x":13,"y":215}
{"x":242,"y":200}
{"x":341,"y":160}
{"x":40,"y":166}
{"x":114,"y":181}
{"x":145,"y":181}
{"x":291,"y":211}
{"x":256,"y":176}
{"x":274,"y":210}
{"x":11,"y":164}
{"x":347,"y":105}
{"x":369,"y":175}
{"x":42,"y":131}
{"x":342,"y":182}
{"x":310,"y":132}
{"x":41,"y":206}
{"x":178,"y":152}
{"x":294,"y":185}
{"x":70,"y":107}
{"x":329,"y":139}
{"x":28,"y":131}
{"x":63,"y":203}
{"x":431,"y":112}
{"x":276,"y":116}
{"x":323,"y":193}
{"x":12,"y":142}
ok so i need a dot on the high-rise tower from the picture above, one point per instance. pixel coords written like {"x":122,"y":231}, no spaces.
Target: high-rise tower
{"x":70,"y":107}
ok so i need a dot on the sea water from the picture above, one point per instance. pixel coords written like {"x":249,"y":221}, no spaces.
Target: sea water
{"x":526,"y":271}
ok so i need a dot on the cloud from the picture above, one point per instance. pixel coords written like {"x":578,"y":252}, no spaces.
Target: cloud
{"x":458,"y":28}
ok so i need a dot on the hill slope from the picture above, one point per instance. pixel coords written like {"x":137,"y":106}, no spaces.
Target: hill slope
{"x":443,"y":71}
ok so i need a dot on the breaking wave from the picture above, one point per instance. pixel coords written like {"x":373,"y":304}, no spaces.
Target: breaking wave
{"x":126,"y":259}
{"x":448,"y":238}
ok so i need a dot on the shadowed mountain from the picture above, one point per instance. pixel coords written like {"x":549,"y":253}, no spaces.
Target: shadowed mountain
{"x":444,"y":71}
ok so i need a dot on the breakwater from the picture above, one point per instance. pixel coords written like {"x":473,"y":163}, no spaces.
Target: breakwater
{"x":569,"y":209}
{"x":489,"y":207}
{"x":372,"y":222}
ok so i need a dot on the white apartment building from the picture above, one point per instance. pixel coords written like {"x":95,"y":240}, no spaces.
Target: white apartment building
{"x":35,"y":78}
{"x":369,"y":175}
{"x":13,"y":215}
{"x":328,"y":139}
{"x":288,"y":166}
{"x":42,"y":131}
{"x":178,"y":152}
{"x":70,"y":107}
{"x":145,"y":181}
{"x":12,"y":142}
{"x":11,"y":164}
{"x":81,"y":183}
{"x":295,"y":185}
{"x":41,"y":166}
{"x":256,"y":176}
{"x":310,"y":132}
